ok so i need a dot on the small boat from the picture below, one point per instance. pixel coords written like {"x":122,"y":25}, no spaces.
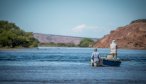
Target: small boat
{"x":111,"y":62}
{"x":108,"y":61}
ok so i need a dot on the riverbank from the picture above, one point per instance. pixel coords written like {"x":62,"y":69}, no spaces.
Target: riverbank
{"x":16,"y":48}
{"x":40,"y":47}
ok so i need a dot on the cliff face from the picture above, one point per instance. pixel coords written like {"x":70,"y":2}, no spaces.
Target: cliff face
{"x":48,"y":38}
{"x":132,"y":36}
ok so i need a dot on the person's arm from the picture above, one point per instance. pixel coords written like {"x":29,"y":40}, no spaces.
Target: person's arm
{"x":98,"y":55}
{"x":92,"y":56}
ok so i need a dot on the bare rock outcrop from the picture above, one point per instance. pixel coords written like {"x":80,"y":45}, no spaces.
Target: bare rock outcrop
{"x":132,"y":36}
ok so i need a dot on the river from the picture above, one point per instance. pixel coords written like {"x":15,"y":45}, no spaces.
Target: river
{"x":55,"y":65}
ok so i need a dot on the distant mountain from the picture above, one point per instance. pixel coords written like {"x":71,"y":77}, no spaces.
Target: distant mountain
{"x":48,"y":38}
{"x":132,"y":36}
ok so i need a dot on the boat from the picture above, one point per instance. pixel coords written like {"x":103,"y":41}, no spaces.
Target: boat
{"x":108,"y":61}
{"x":111,"y":62}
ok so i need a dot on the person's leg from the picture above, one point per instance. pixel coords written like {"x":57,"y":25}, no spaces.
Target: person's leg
{"x":95,"y":64}
{"x":112,"y":54}
{"x":92,"y":62}
{"x":98,"y":61}
{"x":115,"y":55}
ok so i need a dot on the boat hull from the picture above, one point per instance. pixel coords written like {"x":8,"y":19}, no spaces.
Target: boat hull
{"x":107,"y":62}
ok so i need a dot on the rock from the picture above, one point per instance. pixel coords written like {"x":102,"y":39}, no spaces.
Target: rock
{"x":132,"y":36}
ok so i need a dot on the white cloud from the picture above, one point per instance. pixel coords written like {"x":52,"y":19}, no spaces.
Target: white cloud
{"x":79,"y":28}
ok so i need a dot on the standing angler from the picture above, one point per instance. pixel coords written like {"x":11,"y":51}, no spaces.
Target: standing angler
{"x":113,"y":49}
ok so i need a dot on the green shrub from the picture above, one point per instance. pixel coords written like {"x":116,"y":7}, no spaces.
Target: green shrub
{"x":12,"y":36}
{"x":86,"y":42}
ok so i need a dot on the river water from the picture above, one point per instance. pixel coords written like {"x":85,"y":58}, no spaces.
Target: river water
{"x":45,"y":65}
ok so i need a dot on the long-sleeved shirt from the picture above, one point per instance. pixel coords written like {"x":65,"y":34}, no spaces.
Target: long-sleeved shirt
{"x":95,"y":56}
{"x":113,"y":47}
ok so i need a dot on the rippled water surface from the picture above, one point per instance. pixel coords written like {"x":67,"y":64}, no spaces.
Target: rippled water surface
{"x":69,"y":65}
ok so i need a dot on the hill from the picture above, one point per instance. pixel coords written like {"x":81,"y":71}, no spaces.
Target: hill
{"x":49,"y":38}
{"x":12,"y":36}
{"x":132,"y":36}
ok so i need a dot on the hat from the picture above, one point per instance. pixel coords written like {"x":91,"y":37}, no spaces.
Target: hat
{"x":95,"y":49}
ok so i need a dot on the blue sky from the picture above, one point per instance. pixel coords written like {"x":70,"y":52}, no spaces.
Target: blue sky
{"x":82,"y":18}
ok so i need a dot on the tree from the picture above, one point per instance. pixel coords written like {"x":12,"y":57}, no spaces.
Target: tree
{"x":12,"y":36}
{"x":86,"y":42}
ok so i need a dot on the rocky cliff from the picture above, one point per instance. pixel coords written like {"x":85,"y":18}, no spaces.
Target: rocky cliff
{"x":48,"y":38}
{"x":132,"y":36}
